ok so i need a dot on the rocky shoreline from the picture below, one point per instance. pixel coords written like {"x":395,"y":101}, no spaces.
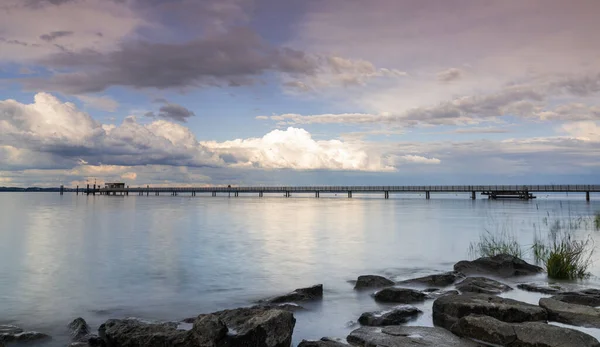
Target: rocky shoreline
{"x":466,"y":311}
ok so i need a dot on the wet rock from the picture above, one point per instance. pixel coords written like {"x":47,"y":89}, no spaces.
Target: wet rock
{"x":302,"y":294}
{"x":372,"y":281}
{"x":11,"y":333}
{"x":324,"y":342}
{"x":447,"y":310}
{"x":79,"y":329}
{"x":502,"y":265}
{"x":256,"y":326}
{"x":285,"y":306}
{"x":528,"y":334}
{"x":587,"y":297}
{"x":403,"y":336}
{"x":81,"y":335}
{"x":482,"y":285}
{"x":571,"y":313}
{"x":399,"y":295}
{"x":395,"y":316}
{"x":532,"y":287}
{"x":440,"y":293}
{"x":443,"y":280}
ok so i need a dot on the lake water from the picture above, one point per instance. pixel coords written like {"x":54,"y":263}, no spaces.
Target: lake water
{"x":168,"y":258}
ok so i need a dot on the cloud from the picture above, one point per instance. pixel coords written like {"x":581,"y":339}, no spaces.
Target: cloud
{"x":103,"y":103}
{"x":68,"y":137}
{"x":232,"y":58}
{"x":585,"y":131}
{"x":172,"y":111}
{"x":39,"y":25}
{"x":295,"y":148}
{"x":419,"y":159}
{"x":55,"y":35}
{"x":452,"y":74}
{"x":480,"y":130}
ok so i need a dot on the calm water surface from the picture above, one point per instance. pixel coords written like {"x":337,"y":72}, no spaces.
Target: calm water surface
{"x":169,"y":258}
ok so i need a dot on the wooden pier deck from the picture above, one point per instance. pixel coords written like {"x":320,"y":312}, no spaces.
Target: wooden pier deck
{"x":524,"y":192}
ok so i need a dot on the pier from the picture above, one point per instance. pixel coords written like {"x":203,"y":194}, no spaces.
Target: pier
{"x":522,"y":192}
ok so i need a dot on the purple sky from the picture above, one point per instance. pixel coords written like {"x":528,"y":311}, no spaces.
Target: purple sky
{"x":202,"y":92}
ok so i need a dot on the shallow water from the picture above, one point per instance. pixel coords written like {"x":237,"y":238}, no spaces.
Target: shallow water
{"x":169,"y":258}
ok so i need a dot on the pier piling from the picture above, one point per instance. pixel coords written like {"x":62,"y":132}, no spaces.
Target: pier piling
{"x":587,"y":196}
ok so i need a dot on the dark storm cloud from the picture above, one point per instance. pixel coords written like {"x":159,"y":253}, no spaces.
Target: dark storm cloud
{"x":55,"y":34}
{"x":172,"y":112}
{"x":232,"y":58}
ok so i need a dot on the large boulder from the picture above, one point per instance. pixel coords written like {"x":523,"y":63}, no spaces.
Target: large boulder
{"x":302,"y":294}
{"x":324,"y":342}
{"x":400,"y":295}
{"x":395,"y":316}
{"x":447,"y":310}
{"x":403,"y":336}
{"x":482,"y":285}
{"x":372,"y":281}
{"x":528,"y":334}
{"x":11,"y":333}
{"x":259,"y":327}
{"x":587,"y":297}
{"x":438,"y":280}
{"x":571,"y":313}
{"x":502,"y":265}
{"x":536,"y":288}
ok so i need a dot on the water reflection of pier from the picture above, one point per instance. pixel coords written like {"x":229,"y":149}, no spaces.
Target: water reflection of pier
{"x":524,"y":192}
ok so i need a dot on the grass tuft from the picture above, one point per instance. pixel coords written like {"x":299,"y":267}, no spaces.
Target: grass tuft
{"x":553,"y":246}
{"x":490,"y":245}
{"x":568,"y":259}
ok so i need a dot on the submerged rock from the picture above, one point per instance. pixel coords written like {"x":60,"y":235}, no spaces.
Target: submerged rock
{"x":573,"y":314}
{"x":302,"y":294}
{"x":11,"y":333}
{"x":447,"y":310}
{"x":403,"y":336}
{"x":242,"y":327}
{"x":502,"y":265}
{"x":400,"y":295}
{"x":324,"y":342}
{"x":444,"y":279}
{"x":587,"y":297}
{"x":528,"y":334}
{"x":395,"y":316}
{"x":532,"y":287}
{"x":482,"y":285}
{"x":372,"y":281}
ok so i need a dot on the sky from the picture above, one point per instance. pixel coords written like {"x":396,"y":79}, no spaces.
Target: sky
{"x":299,"y":92}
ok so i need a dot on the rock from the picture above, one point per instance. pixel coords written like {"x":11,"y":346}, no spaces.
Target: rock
{"x":482,"y":285}
{"x":403,"y":336}
{"x":11,"y":333}
{"x":324,"y":342}
{"x":502,"y":265}
{"x":571,"y":313}
{"x":372,"y":281}
{"x":439,"y":294}
{"x":587,"y":297}
{"x":444,"y":279}
{"x":400,"y":295}
{"x":302,"y":294}
{"x":532,"y":287}
{"x":285,"y":306}
{"x":447,"y":310}
{"x":241,"y":327}
{"x":395,"y":316}
{"x":79,"y":329}
{"x":528,"y":334}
